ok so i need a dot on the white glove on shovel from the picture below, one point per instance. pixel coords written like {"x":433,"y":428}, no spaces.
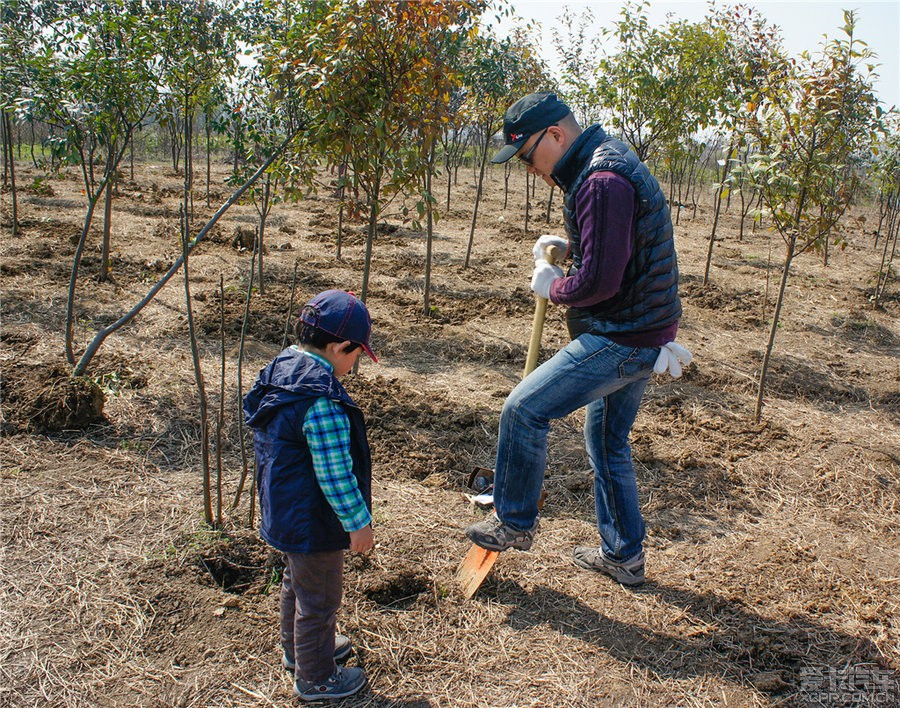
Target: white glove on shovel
{"x":545,"y":242}
{"x":672,"y":357}
{"x":543,"y":276}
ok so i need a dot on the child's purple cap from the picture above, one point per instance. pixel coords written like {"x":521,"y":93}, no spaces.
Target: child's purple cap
{"x":342,"y":314}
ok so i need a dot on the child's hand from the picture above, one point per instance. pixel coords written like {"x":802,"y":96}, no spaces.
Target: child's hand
{"x":363,"y":540}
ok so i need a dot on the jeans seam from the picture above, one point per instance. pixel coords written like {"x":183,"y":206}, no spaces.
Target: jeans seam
{"x":611,"y":497}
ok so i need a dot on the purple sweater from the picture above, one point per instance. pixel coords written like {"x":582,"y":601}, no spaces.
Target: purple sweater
{"x":605,"y":209}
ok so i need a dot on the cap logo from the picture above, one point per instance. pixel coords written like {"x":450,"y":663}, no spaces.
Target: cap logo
{"x":515,"y":136}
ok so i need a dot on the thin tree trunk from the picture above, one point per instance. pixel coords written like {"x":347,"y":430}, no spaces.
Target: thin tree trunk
{"x":789,"y":256}
{"x":31,"y":146}
{"x":107,"y":218}
{"x":208,"y":160}
{"x":220,"y":418}
{"x":884,"y":270}
{"x":340,"y":232}
{"x":240,"y":384}
{"x":370,"y":235}
{"x":12,"y":175}
{"x":718,"y":209}
{"x":290,"y":313}
{"x":449,"y":181}
{"x":3,"y":150}
{"x":261,"y":229}
{"x":550,"y":202}
{"x":527,"y":199}
{"x":507,"y":171}
{"x":198,"y":374}
{"x":429,"y":231}
{"x":236,"y":157}
{"x":73,"y":277}
{"x":477,"y":201}
{"x":341,"y":192}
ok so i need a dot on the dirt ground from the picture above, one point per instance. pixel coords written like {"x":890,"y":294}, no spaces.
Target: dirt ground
{"x":773,"y":548}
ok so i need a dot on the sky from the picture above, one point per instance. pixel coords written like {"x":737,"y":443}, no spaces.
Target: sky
{"x":803,"y":24}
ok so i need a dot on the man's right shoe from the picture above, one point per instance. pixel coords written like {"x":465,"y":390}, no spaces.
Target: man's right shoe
{"x":628,"y":572}
{"x":342,"y":683}
{"x":494,"y":535}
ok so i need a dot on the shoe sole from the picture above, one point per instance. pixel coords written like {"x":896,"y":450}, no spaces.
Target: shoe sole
{"x":330,"y":696}
{"x":498,"y":547}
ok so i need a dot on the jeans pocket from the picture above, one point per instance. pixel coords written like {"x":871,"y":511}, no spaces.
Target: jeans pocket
{"x":639,"y":362}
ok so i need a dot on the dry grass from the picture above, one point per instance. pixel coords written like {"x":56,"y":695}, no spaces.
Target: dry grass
{"x":772,"y":548}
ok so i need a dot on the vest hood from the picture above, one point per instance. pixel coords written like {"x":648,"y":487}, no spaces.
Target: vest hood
{"x":290,"y":377}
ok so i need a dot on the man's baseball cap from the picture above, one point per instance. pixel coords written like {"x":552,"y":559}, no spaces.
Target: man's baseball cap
{"x":342,"y":314}
{"x":527,"y":116}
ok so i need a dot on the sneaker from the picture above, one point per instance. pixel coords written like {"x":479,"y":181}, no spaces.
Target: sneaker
{"x":342,"y":648}
{"x":342,"y":683}
{"x":628,"y":572}
{"x":494,"y":535}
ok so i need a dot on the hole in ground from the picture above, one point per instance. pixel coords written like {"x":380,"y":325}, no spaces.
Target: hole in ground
{"x":242,"y":566}
{"x":398,"y":591}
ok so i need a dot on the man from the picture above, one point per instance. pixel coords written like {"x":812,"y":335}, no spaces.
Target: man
{"x":622,"y":295}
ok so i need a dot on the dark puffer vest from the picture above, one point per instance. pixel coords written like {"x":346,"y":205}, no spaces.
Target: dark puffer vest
{"x":295,"y":516}
{"x":648,"y":298}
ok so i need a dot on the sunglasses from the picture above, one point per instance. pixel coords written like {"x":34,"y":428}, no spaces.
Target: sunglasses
{"x":526,"y":158}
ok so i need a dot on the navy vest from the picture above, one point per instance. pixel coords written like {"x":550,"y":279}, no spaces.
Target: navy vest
{"x":648,"y":298}
{"x":295,"y":517}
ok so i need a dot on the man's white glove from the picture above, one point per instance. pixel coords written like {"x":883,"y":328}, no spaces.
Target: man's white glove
{"x":542,"y":245}
{"x":544,"y":275}
{"x":672,"y":357}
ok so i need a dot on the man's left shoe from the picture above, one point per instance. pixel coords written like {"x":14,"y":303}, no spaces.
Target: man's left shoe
{"x":342,"y":648}
{"x":493,"y":535}
{"x":628,"y":572}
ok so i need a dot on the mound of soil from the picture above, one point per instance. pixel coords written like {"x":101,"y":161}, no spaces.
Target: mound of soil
{"x":51,"y":399}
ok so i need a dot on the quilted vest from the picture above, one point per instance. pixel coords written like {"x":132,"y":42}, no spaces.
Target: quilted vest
{"x":648,"y":298}
{"x":295,"y":517}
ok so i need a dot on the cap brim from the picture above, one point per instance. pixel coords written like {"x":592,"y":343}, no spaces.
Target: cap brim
{"x":508,"y":151}
{"x":369,"y":352}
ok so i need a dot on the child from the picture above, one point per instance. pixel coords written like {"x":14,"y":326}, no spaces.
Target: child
{"x":313,"y":473}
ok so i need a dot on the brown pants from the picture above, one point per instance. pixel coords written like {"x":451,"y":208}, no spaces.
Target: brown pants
{"x":310,"y":596}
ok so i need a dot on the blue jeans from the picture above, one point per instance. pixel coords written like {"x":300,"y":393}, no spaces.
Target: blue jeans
{"x":609,"y":379}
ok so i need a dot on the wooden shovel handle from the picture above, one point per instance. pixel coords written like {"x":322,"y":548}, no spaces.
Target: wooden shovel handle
{"x":552,"y":255}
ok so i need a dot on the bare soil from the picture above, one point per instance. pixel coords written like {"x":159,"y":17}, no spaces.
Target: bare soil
{"x":773,"y":548}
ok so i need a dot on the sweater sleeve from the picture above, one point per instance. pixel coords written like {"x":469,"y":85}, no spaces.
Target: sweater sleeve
{"x":327,"y":431}
{"x":604,"y":211}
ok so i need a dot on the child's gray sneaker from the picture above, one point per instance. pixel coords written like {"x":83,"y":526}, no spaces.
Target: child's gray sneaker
{"x":342,"y":683}
{"x":628,"y":572}
{"x":342,"y":648}
{"x":494,"y":535}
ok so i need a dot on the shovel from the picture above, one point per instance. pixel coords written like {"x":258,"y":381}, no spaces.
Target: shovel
{"x":479,"y":561}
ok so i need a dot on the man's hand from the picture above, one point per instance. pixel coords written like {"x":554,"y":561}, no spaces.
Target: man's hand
{"x":671,"y":358}
{"x":544,"y":275}
{"x":545,"y":242}
{"x":363,"y":540}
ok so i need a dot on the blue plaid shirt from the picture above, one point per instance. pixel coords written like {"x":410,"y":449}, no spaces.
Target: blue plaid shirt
{"x":327,"y":431}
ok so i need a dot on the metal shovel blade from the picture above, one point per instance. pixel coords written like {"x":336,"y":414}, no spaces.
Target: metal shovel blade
{"x":474,"y":569}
